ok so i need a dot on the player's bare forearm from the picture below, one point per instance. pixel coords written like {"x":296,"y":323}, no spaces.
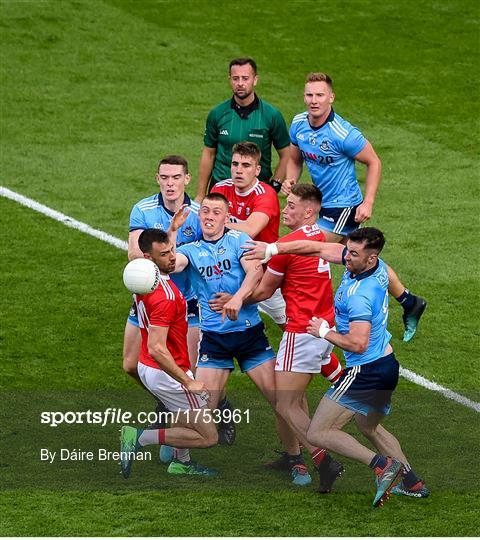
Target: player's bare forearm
{"x":205,"y":170}
{"x":134,"y":252}
{"x":356,"y":340}
{"x":293,"y":169}
{"x":372,"y":181}
{"x":281,"y":168}
{"x":164,"y":359}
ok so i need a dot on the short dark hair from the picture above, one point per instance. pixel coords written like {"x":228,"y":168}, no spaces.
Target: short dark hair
{"x":174,"y":160}
{"x":149,"y":236}
{"x":243,"y":62}
{"x":373,"y":238}
{"x":317,"y":76}
{"x":217,"y":197}
{"x":307,"y":192}
{"x":247,"y":148}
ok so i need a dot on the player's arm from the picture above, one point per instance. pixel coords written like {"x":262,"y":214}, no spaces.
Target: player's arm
{"x":368,"y":157}
{"x":253,"y":274}
{"x":281,"y":168}
{"x":205,"y":171}
{"x":269,"y":284}
{"x":356,"y":340}
{"x":181,"y":262}
{"x":253,"y":225}
{"x":331,"y":252}
{"x":293,"y":168}
{"x":157,"y":348}
{"x":134,"y":252}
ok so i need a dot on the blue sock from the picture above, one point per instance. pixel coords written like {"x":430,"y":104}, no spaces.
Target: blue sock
{"x":409,"y":477}
{"x":406,"y":300}
{"x":378,"y":461}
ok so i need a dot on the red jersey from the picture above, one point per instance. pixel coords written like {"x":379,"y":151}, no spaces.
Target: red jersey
{"x":259,"y":198}
{"x":307,"y":283}
{"x":165,"y":306}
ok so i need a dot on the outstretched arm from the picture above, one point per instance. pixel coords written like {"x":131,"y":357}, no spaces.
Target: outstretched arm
{"x":331,"y":252}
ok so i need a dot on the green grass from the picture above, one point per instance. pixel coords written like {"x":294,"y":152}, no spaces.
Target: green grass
{"x":93,"y":94}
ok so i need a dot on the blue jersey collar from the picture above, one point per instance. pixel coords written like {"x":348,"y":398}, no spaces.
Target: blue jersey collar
{"x":218,"y":239}
{"x":186,"y":200}
{"x":330,"y":118}
{"x":367,"y":273}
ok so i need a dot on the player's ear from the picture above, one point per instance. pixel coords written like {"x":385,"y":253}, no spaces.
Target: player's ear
{"x":147,"y":256}
{"x":258,"y":168}
{"x":157,"y":178}
{"x":255,"y":80}
{"x":332,"y":97}
{"x":188,"y":177}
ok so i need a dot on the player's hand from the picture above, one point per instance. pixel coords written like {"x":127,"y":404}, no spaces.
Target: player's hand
{"x":197,"y":387}
{"x":318,"y":327}
{"x":231,"y":309}
{"x":218,"y":301}
{"x":179,"y":218}
{"x":364,"y":212}
{"x":259,"y":251}
{"x":287,"y":187}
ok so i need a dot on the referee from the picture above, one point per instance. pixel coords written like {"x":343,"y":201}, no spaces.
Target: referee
{"x":244,"y":117}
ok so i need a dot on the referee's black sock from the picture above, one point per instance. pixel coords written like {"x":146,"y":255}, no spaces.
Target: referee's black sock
{"x":406,"y":300}
{"x":224,"y":404}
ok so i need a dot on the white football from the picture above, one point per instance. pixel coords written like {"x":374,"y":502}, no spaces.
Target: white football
{"x":141,"y":276}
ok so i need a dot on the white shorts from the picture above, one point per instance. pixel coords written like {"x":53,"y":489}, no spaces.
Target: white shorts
{"x":173,"y":394}
{"x":302,"y":353}
{"x":274,"y":307}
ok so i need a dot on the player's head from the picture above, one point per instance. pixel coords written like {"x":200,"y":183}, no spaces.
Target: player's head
{"x":318,"y":94}
{"x":156,"y":246}
{"x":213,"y":215}
{"x":245,"y":166}
{"x":303,"y":205}
{"x":172,"y":177}
{"x":363,"y":248}
{"x":243,"y":77}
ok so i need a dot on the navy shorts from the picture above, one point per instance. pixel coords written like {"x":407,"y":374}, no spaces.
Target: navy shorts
{"x":338,"y":220}
{"x":192,"y":314}
{"x":250,"y":347}
{"x":367,"y":388}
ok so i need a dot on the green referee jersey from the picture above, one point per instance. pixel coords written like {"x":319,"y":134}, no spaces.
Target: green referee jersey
{"x":260,"y":123}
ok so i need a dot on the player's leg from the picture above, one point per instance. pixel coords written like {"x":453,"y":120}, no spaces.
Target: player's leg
{"x":413,"y":306}
{"x":215,"y":380}
{"x":193,"y":427}
{"x":193,"y":334}
{"x":132,"y":340}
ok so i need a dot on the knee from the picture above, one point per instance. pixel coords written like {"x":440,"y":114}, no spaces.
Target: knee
{"x":210,"y":439}
{"x":367,"y":431}
{"x":316,"y":436}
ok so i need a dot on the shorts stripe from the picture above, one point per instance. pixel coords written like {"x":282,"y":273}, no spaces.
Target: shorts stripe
{"x":289,"y":352}
{"x":345,"y":384}
{"x":342,"y":220}
{"x":192,"y":400}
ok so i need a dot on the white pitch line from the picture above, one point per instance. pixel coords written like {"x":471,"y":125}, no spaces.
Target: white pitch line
{"x":112,"y":240}
{"x":62,"y":218}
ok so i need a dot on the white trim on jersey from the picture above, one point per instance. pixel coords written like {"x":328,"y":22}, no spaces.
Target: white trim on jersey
{"x":167,"y":289}
{"x":228,"y":182}
{"x":234,"y":233}
{"x":149,"y":205}
{"x":338,"y":128}
{"x":342,"y":220}
{"x":299,"y":117}
{"x":275,"y":272}
{"x":353,"y":288}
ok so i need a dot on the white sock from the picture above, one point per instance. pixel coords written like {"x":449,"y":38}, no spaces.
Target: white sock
{"x":149,"y":436}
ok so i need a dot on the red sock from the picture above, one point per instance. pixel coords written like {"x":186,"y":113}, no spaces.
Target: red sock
{"x":161,"y":436}
{"x":333,"y":369}
{"x":318,"y":455}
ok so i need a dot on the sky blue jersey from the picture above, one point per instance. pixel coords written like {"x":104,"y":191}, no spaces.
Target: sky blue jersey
{"x":364,"y":298}
{"x":150,"y":213}
{"x":215,"y":267}
{"x":328,"y":152}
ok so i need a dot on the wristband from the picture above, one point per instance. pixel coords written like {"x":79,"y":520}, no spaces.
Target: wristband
{"x":276,"y":184}
{"x":270,"y":251}
{"x":324,"y":328}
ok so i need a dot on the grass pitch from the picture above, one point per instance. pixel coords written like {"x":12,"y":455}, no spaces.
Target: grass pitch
{"x":93,"y":94}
